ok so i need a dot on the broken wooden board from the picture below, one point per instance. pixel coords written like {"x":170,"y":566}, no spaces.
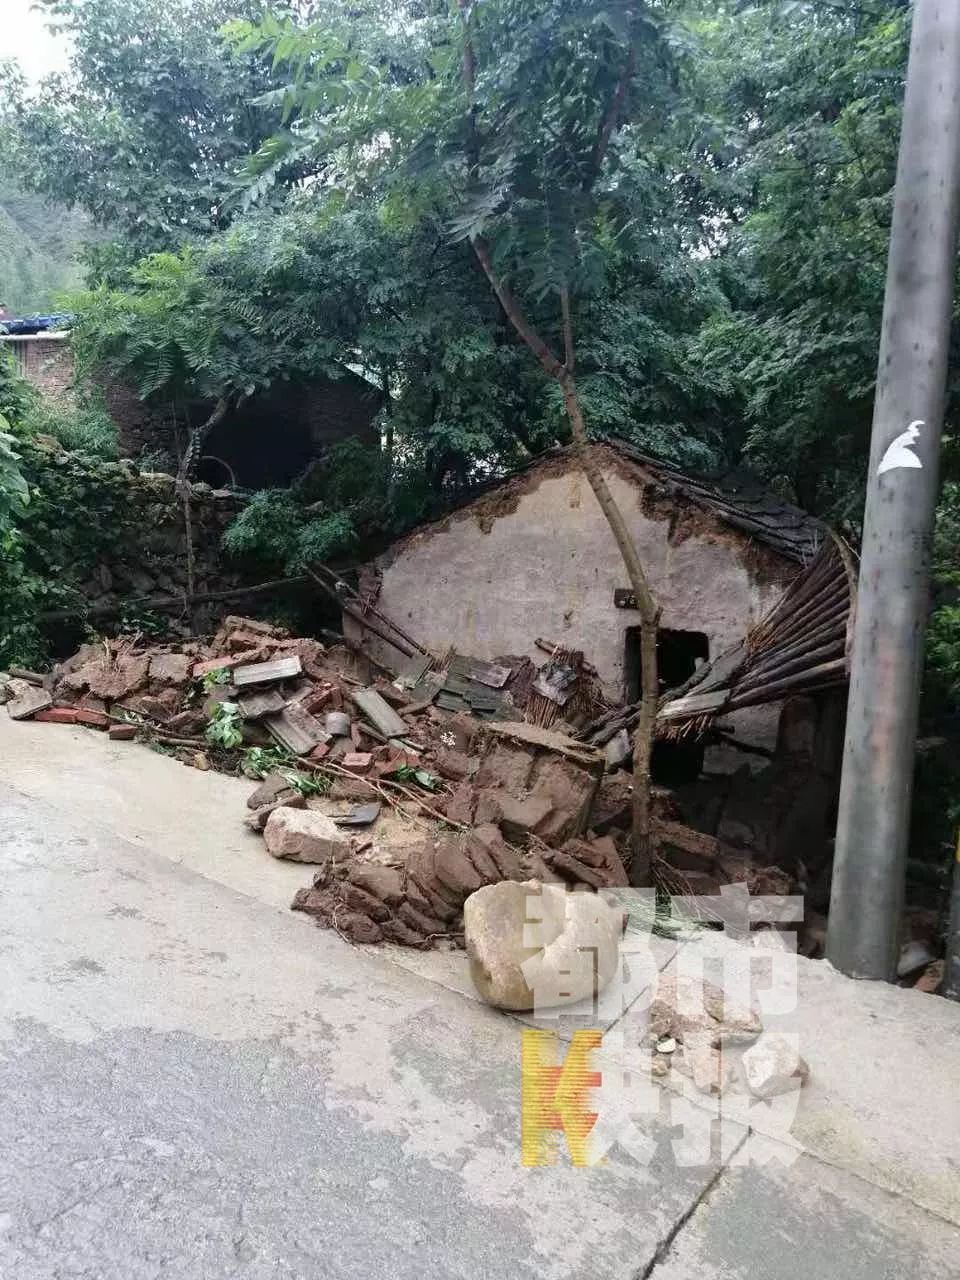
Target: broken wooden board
{"x":694,"y":704}
{"x":379,"y":712}
{"x":265,"y":672}
{"x":296,"y":729}
{"x":254,"y":706}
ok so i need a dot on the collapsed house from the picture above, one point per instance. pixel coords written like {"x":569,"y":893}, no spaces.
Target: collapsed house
{"x":532,"y":556}
{"x":474,"y":724}
{"x":753,"y":593}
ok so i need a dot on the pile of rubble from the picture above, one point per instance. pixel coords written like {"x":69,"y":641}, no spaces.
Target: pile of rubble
{"x":409,"y":792}
{"x":517,"y":807}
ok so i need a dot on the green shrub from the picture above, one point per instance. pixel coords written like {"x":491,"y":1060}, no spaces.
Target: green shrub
{"x":281,"y":532}
{"x":85,"y":427}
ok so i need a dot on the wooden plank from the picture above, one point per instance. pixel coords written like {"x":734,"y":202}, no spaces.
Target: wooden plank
{"x":253,"y":706}
{"x":379,"y":712}
{"x":264,"y":672}
{"x":296,"y":729}
{"x":694,"y":704}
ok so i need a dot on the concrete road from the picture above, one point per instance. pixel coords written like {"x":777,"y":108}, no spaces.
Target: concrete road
{"x":199,"y":1084}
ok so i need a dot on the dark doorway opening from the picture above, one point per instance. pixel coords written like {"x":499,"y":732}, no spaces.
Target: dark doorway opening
{"x":264,"y":443}
{"x":679,"y":653}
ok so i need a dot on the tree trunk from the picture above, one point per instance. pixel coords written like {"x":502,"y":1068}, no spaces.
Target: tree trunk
{"x":198,"y":438}
{"x":388,"y":434}
{"x":185,"y":472}
{"x":643,"y":831}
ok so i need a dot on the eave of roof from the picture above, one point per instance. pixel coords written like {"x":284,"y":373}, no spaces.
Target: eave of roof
{"x":739,"y":500}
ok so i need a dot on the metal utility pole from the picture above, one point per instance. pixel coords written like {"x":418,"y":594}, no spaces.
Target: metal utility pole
{"x":951,"y":966}
{"x":902,"y":484}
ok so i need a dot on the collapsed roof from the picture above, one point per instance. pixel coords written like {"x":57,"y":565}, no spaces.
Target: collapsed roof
{"x":739,"y":499}
{"x":802,"y":646}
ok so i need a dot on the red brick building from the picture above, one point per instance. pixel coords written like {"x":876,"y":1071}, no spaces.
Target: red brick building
{"x":264,"y":441}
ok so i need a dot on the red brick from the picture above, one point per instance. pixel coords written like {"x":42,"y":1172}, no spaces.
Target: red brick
{"x":58,"y":715}
{"x":357,"y":761}
{"x":95,"y":719}
{"x":320,"y":751}
{"x":123,"y":732}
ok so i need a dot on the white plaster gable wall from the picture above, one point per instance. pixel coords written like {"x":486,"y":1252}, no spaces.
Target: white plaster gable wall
{"x":550,"y":568}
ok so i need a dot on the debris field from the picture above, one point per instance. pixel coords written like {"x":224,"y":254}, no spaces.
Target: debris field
{"x":408,"y":791}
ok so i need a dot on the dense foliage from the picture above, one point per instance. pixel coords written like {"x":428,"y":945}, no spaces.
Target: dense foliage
{"x":287,"y":189}
{"x":144,"y":130}
{"x":60,"y":513}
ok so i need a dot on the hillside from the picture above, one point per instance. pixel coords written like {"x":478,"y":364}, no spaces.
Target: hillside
{"x":38,"y":246}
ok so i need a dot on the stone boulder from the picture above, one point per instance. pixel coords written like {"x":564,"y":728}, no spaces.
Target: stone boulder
{"x":773,"y":1065}
{"x":534,"y":945}
{"x":304,"y":835}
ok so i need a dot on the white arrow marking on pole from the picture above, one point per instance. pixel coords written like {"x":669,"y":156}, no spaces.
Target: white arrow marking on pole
{"x":899,"y":453}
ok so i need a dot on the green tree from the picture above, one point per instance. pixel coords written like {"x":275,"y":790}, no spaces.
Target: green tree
{"x":544,"y":120}
{"x":144,"y":131}
{"x":793,"y":174}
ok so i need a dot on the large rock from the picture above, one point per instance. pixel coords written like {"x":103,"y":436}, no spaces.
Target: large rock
{"x":577,"y":937}
{"x":773,"y":1065}
{"x":304,"y":835}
